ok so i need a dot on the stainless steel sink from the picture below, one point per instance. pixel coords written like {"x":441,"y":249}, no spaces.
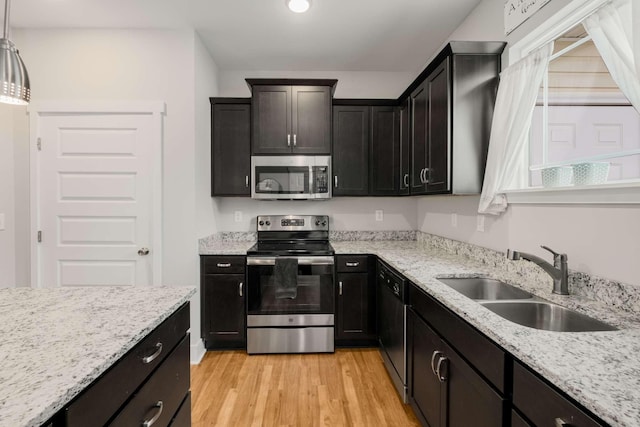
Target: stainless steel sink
{"x":547,"y":316}
{"x":481,"y":288}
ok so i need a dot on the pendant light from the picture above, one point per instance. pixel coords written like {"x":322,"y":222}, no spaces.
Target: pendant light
{"x":14,"y":80}
{"x":299,"y":6}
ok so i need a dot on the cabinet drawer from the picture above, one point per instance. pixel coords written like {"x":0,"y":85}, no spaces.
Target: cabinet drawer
{"x":483,"y":354}
{"x":352,"y":263}
{"x":231,"y":264}
{"x":161,"y":396}
{"x":542,"y":404}
{"x":102,"y":399}
{"x":183,"y":417}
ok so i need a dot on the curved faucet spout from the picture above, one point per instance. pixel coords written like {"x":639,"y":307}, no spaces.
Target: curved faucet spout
{"x":559,"y":271}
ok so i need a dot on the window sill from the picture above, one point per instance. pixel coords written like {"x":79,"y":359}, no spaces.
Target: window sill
{"x":609,"y":194}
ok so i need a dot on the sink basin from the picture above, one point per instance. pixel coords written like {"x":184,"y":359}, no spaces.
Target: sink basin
{"x":480,"y":288}
{"x":547,"y":316}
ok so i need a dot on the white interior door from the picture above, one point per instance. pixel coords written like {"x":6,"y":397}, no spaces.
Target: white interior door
{"x":95,"y":199}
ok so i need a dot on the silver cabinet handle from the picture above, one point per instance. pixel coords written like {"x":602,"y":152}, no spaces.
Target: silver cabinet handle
{"x":352,"y":264}
{"x":152,"y":421}
{"x":294,"y":140}
{"x":154,"y":356}
{"x":339,"y":288}
{"x":246,"y":181}
{"x":288,"y":140}
{"x":422,"y":175}
{"x":442,"y":377}
{"x":561,"y":423}
{"x":435,"y":354}
{"x":240,"y":286}
{"x":143,"y":251}
{"x":335,"y":181}
{"x":426,"y":175}
{"x":406,"y":179}
{"x":223,"y":265}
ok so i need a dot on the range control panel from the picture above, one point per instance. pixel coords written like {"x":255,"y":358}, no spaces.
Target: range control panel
{"x":292,"y":223}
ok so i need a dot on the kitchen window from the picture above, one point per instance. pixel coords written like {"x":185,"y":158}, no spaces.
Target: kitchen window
{"x":585,"y":131}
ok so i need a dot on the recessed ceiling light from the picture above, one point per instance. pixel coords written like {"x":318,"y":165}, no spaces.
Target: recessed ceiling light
{"x":299,"y":6}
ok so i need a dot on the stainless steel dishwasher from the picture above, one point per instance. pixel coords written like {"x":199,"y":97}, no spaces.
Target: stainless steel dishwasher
{"x":392,"y":323}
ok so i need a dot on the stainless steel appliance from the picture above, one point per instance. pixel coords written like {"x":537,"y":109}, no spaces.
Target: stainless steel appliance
{"x":290,"y":177}
{"x":290,"y":291}
{"x":392,"y":326}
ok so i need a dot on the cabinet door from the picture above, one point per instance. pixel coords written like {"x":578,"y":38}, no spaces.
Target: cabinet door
{"x":419,"y":100}
{"x":224,"y":311}
{"x":350,"y":150}
{"x":230,"y":149}
{"x":426,"y":392}
{"x":471,"y":400}
{"x":384,"y":166}
{"x":405,"y":142}
{"x":439,"y":135}
{"x":356,"y":321}
{"x":271,"y":120}
{"x":311,"y":119}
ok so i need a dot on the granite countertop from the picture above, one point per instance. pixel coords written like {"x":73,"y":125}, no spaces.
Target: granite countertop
{"x":55,"y":342}
{"x":601,"y":370}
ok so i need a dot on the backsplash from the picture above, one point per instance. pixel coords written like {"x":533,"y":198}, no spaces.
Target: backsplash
{"x":368,"y":236}
{"x":615,"y":294}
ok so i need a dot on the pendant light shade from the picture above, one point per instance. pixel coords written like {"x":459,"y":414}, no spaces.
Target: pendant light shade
{"x":14,"y":80}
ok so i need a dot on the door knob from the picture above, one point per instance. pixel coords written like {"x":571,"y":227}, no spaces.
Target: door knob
{"x":143,"y":251}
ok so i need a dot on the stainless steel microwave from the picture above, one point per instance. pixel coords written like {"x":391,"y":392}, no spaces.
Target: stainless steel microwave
{"x":290,"y":177}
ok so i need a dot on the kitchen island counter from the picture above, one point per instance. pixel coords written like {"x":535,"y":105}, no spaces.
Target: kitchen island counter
{"x":56,"y":342}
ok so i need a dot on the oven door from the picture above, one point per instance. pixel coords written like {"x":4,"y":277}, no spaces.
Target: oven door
{"x":313,"y":287}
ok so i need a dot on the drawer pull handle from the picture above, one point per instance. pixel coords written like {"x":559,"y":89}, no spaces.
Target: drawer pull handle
{"x":152,"y":421}
{"x":240,"y":288}
{"x":154,"y":356}
{"x":433,"y":361}
{"x":352,"y":264}
{"x":223,"y":264}
{"x":442,"y":376}
{"x":561,"y":423}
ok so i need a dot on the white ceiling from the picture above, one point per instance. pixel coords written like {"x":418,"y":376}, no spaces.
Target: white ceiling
{"x":344,"y":35}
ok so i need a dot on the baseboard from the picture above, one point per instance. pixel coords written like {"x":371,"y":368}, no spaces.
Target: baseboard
{"x":197,"y":352}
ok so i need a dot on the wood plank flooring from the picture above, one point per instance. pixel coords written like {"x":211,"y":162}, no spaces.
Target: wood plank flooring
{"x":348,"y":388}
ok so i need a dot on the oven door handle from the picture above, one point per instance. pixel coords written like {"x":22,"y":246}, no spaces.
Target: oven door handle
{"x":302,"y":260}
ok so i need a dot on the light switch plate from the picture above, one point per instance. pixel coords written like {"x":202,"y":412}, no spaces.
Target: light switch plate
{"x":379,"y":215}
{"x":237,"y":216}
{"x":454,"y":220}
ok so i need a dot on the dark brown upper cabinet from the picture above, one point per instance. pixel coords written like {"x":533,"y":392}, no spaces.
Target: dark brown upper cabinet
{"x":230,"y":146}
{"x":451,"y":109}
{"x":291,"y":116}
{"x":366,"y":149}
{"x":351,"y":150}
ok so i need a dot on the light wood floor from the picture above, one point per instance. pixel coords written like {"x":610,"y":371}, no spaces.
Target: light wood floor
{"x":348,"y":388}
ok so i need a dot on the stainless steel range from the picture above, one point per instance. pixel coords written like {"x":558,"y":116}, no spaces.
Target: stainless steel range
{"x":290,"y":291}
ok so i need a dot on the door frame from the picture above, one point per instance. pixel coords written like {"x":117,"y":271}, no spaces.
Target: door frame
{"x":156,"y":109}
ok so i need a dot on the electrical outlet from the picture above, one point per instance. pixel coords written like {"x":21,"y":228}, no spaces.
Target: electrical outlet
{"x":454,"y":220}
{"x":480,"y":223}
{"x":379,"y":215}
{"x":237,"y":216}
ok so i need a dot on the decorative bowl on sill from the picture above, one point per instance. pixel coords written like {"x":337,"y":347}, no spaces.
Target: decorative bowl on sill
{"x":557,"y":176}
{"x":590,"y":173}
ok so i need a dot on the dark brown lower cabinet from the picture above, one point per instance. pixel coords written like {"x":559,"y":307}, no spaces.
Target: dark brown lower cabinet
{"x":444,"y":389}
{"x":223,"y":323}
{"x":355,"y":301}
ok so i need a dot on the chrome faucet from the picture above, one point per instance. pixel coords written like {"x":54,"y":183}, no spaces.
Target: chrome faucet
{"x":558,"y":271}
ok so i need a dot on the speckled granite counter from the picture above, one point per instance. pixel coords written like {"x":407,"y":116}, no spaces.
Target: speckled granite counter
{"x":55,"y":342}
{"x":601,"y":370}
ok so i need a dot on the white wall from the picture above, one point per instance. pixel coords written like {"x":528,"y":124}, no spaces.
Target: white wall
{"x":351,"y":84}
{"x":7,"y":235}
{"x":601,"y":240}
{"x":347,"y":213}
{"x":156,"y":65}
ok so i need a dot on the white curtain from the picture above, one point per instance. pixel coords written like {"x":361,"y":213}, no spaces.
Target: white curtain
{"x":517,"y":94}
{"x":612,"y":33}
